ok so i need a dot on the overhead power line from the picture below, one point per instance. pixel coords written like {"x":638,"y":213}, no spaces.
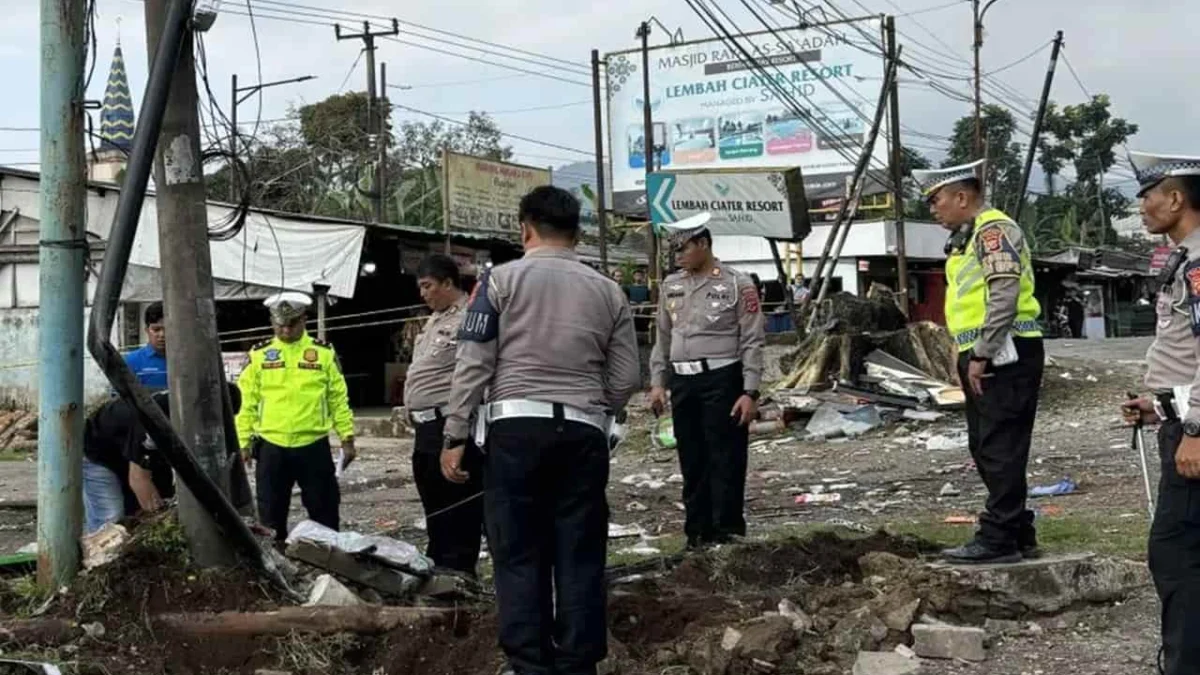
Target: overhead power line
{"x":451,"y":120}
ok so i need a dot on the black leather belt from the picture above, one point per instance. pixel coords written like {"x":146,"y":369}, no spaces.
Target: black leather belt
{"x":1166,"y":403}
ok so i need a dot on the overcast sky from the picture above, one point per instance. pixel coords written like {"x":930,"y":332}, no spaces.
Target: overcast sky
{"x":1142,"y":54}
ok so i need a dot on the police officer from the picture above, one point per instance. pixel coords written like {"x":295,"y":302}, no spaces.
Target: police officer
{"x":1170,"y":205}
{"x":453,"y":511}
{"x":553,"y":342}
{"x":293,"y":394}
{"x":993,"y":317}
{"x":709,"y":352}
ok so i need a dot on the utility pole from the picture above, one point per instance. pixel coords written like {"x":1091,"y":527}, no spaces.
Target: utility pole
{"x":978,"y":43}
{"x":368,"y":39}
{"x":193,"y":361}
{"x":381,"y":171}
{"x":597,"y":113}
{"x":1037,"y":126}
{"x":234,"y":102}
{"x":61,"y":286}
{"x":643,"y":32}
{"x":897,"y":153}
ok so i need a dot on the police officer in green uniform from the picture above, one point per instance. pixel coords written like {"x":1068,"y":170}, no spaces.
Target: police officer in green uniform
{"x":293,"y":395}
{"x":992,"y":315}
{"x":1170,"y":196}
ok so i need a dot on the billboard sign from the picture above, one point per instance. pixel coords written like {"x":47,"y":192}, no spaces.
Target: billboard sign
{"x":482,"y":195}
{"x":768,"y":203}
{"x":721,"y":112}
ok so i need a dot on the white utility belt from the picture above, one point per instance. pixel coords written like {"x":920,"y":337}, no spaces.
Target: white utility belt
{"x":521,"y":408}
{"x":427,"y":415}
{"x":1180,"y":396}
{"x":701,"y":366}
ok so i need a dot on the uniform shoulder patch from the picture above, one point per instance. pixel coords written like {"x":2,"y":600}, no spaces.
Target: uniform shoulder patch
{"x":997,"y":252}
{"x":482,"y":321}
{"x":750,"y":299}
{"x":1191,"y":279}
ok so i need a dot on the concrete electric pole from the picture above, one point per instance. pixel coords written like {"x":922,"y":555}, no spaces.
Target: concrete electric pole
{"x":193,"y":354}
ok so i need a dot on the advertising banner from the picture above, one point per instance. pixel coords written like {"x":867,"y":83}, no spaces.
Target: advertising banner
{"x":482,"y":195}
{"x":717,"y":111}
{"x":766,"y":203}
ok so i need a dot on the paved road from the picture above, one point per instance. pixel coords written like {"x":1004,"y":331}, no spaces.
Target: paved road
{"x":1111,"y":349}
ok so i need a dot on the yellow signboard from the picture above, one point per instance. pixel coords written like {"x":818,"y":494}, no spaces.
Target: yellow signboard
{"x":482,"y":195}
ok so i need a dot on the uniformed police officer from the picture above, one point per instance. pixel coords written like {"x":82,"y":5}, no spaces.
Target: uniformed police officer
{"x":553,"y":342}
{"x":1170,"y":205}
{"x":709,"y":352}
{"x":993,"y":317}
{"x":293,"y":394}
{"x":453,"y":513}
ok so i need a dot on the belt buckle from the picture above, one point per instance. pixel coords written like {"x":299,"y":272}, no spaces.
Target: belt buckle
{"x":1159,"y":409}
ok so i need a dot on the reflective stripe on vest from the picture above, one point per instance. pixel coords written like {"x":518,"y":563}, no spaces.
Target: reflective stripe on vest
{"x":967,"y":292}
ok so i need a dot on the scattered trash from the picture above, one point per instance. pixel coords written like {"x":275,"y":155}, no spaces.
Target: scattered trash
{"x":640,"y":549}
{"x":636,"y":507}
{"x":1063,"y":487}
{"x":849,"y":525}
{"x":948,"y":490}
{"x":959,"y":520}
{"x":103,"y":546}
{"x":843,"y":486}
{"x":675,"y":478}
{"x":767,"y":427}
{"x":616,"y":531}
{"x":922,"y":415}
{"x":34,"y":667}
{"x":958,"y":441}
{"x":329,"y":592}
{"x":393,"y":552}
{"x":819,"y":498}
{"x":1050,"y":510}
{"x":829,"y":422}
{"x":635,"y":479}
{"x":1066,"y":375}
{"x":28,"y":549}
{"x":94,"y":630}
{"x":801,"y":622}
{"x":1092,"y":378}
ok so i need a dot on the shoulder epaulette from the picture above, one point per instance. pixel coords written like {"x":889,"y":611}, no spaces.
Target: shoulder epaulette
{"x":322,"y":343}
{"x":260,"y":345}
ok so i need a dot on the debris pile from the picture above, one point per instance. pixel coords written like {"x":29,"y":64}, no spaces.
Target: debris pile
{"x":18,"y":431}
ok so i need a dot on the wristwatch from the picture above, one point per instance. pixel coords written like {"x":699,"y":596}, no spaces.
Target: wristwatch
{"x":752,"y":393}
{"x":1191,"y":428}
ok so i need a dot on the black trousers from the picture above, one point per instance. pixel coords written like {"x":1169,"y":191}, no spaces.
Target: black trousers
{"x":453,"y":512}
{"x":1174,"y":558}
{"x":279,"y":469}
{"x":712,"y":452}
{"x":1000,"y":431}
{"x":547,"y":522}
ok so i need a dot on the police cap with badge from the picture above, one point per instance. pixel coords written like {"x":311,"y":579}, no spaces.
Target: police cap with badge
{"x":680,"y":232}
{"x":930,"y":181}
{"x":287,"y":306}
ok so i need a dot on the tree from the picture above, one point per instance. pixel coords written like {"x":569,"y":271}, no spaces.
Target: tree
{"x":1003,"y":178}
{"x":1084,"y":137}
{"x":915,"y":206}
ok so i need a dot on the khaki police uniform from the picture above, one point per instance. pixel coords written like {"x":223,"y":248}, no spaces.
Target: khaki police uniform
{"x":453,"y":514}
{"x":293,"y":395}
{"x":553,"y":342}
{"x":1173,"y":376}
{"x":992,"y":316}
{"x":709,"y":353}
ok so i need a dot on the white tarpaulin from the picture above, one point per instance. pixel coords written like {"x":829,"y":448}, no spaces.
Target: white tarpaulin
{"x":270,"y":253}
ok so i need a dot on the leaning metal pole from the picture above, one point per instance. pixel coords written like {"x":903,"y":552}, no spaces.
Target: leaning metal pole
{"x":108,"y":295}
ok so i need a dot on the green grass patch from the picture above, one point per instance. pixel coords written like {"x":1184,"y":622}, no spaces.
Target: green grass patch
{"x":668,"y":545}
{"x":1093,"y":533}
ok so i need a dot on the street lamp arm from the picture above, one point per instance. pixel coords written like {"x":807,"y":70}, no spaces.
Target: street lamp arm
{"x":985,"y":9}
{"x":250,"y":90}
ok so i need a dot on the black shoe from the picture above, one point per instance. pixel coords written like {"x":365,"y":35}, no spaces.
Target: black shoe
{"x":978,"y":553}
{"x":1030,"y":551}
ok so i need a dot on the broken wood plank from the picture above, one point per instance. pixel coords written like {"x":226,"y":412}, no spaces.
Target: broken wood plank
{"x":359,"y":569}
{"x":40,"y":632}
{"x":367,"y":620}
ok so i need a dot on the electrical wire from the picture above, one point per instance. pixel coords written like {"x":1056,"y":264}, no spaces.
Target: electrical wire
{"x":521,"y":110}
{"x":353,"y":67}
{"x":535,"y":141}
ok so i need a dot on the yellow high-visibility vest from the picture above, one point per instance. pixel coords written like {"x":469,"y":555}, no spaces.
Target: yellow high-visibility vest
{"x":967,"y":291}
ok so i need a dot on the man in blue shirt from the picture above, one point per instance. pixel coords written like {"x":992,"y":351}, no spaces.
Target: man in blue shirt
{"x":149,"y":363}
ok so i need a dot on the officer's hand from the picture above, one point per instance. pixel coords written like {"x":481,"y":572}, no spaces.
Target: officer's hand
{"x":348,"y":451}
{"x":744,"y":411}
{"x":452,"y":465}
{"x":1187,"y":457}
{"x":248,"y":458}
{"x":1139,"y":410}
{"x":658,"y":400}
{"x":976,"y":373}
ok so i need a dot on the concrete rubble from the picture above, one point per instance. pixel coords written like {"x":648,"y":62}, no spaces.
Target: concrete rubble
{"x":948,"y":642}
{"x":885,"y":663}
{"x":329,"y":592}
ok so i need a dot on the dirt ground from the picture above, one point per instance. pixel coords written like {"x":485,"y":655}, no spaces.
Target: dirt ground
{"x":888,"y":479}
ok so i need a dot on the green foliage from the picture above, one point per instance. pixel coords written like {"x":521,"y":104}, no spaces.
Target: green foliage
{"x":1003,"y":153}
